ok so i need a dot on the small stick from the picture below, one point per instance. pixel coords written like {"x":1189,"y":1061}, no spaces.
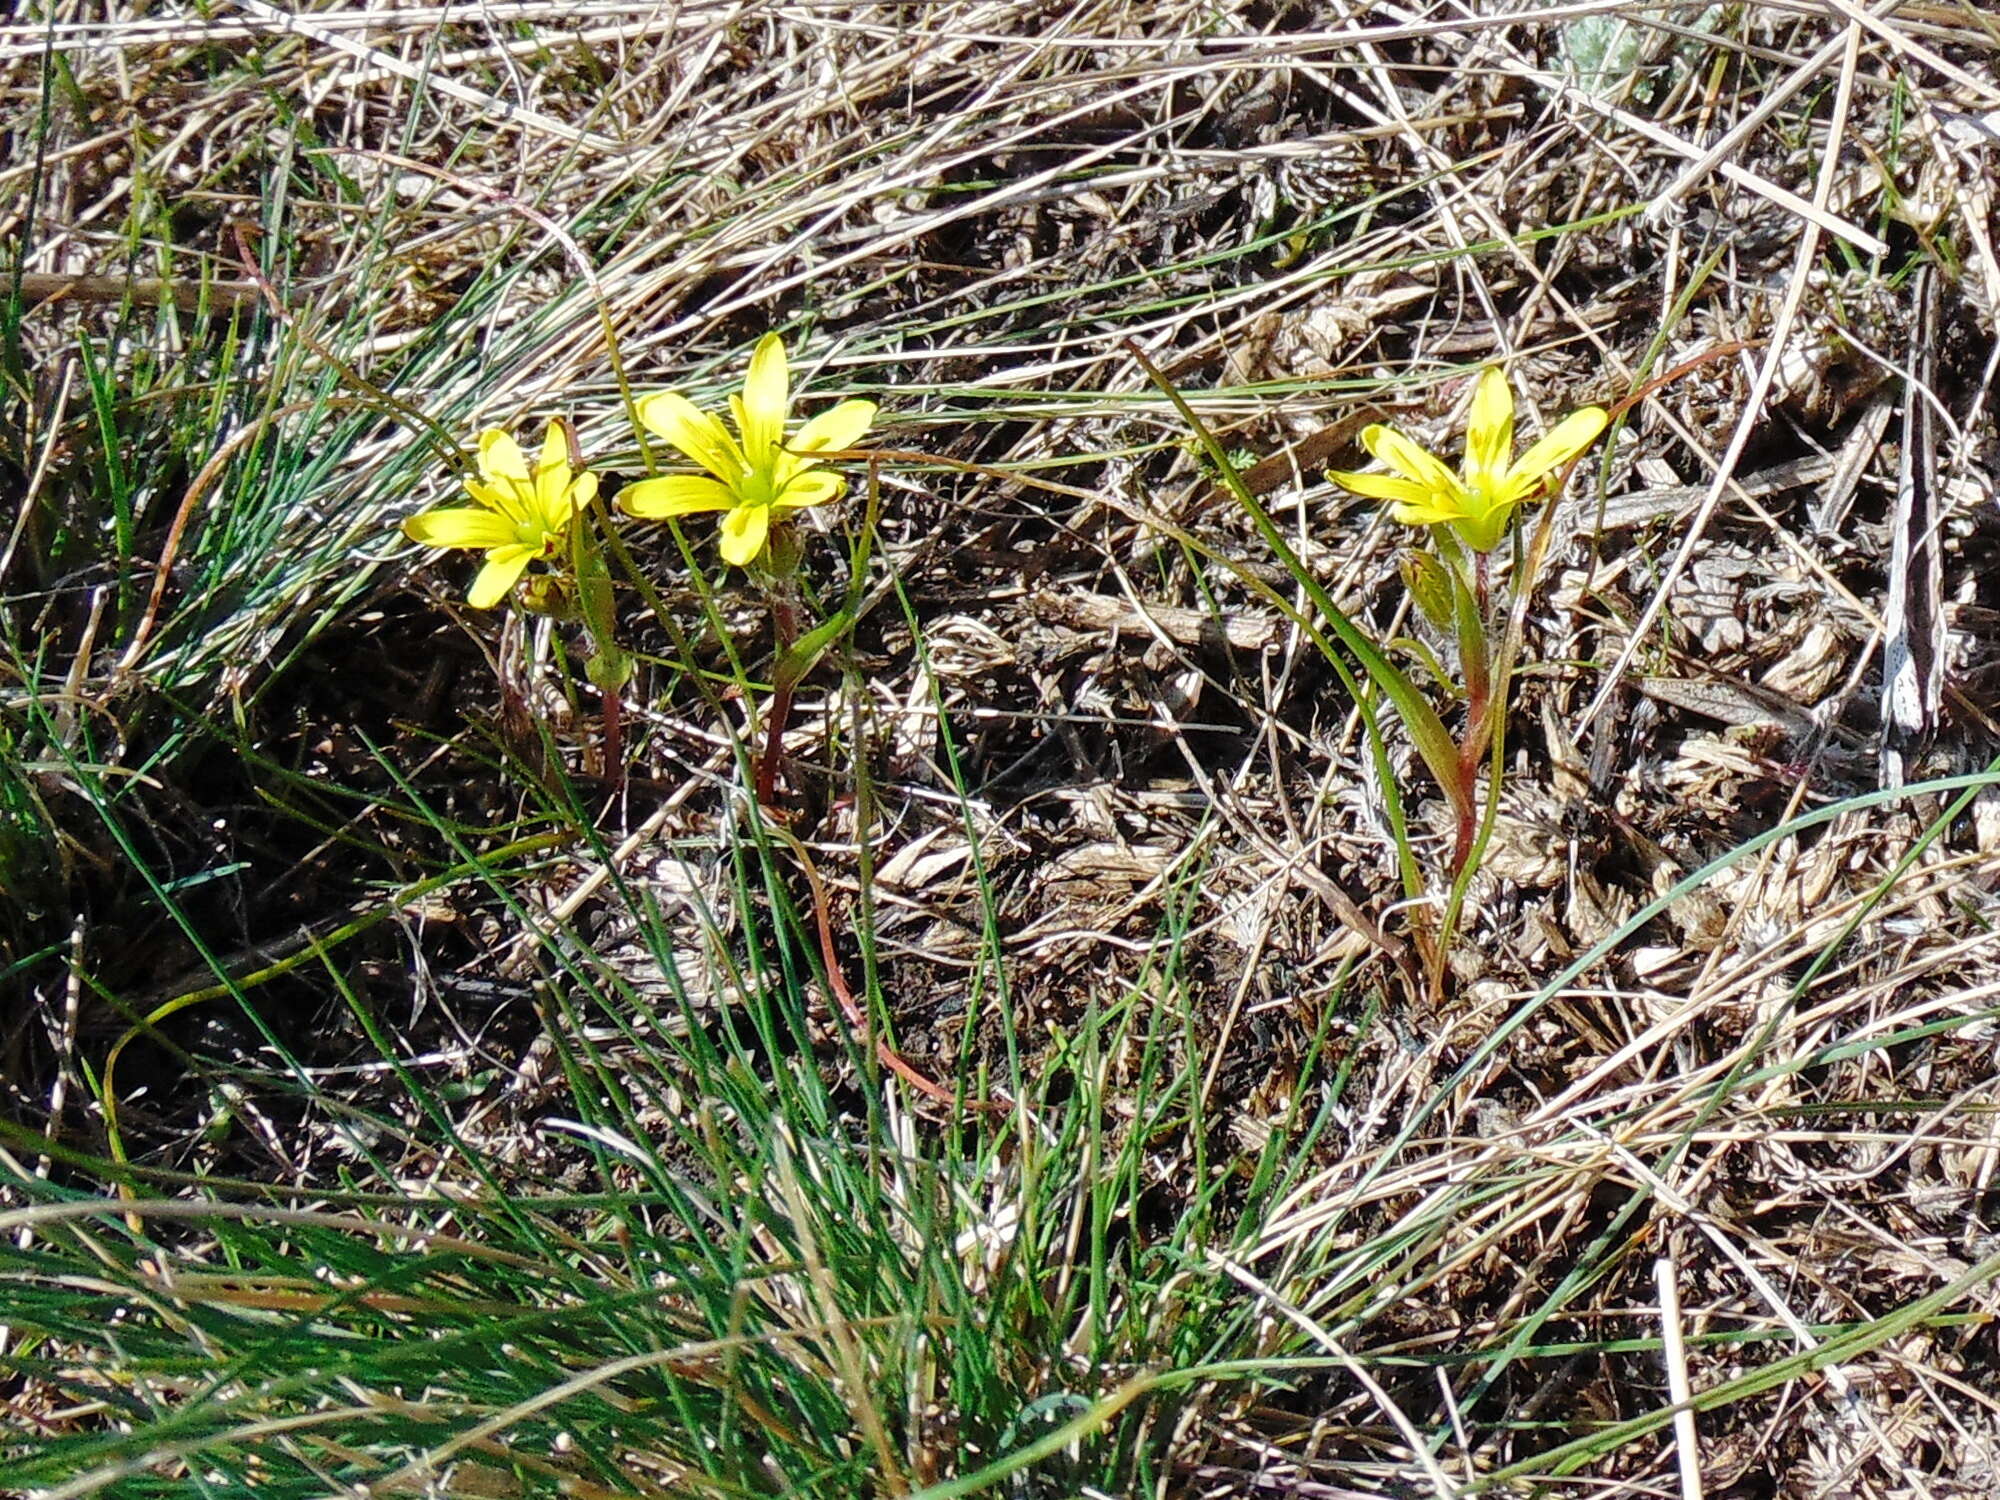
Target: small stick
{"x":1687,"y":1442}
{"x":187,"y":294}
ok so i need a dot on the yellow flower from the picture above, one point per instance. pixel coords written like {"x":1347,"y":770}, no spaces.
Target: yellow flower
{"x":524,"y":511}
{"x":754,"y":473}
{"x":1479,"y":505}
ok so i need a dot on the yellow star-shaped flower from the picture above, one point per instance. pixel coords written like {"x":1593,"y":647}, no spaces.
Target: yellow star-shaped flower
{"x":524,"y":511}
{"x":1478,"y":505}
{"x":754,"y":474}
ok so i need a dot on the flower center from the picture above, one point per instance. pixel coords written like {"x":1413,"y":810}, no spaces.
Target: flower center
{"x":756,"y":488}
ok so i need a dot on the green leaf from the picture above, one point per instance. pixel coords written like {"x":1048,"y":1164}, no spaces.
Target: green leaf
{"x":1433,"y":741}
{"x":1428,"y":660}
{"x":1429,"y":585}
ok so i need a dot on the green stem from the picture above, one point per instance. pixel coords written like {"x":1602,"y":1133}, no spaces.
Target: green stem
{"x":610,"y":665}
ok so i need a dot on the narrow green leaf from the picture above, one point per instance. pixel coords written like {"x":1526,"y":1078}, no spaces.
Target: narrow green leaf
{"x":1430,"y":588}
{"x":1433,"y":741}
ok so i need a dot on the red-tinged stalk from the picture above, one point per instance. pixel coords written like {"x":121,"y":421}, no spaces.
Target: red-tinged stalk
{"x":785,"y":622}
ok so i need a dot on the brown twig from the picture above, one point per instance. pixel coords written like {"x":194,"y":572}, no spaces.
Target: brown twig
{"x":188,"y":295}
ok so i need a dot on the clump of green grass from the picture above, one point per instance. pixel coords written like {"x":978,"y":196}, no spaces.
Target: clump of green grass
{"x":776,"y":1274}
{"x":767,"y":1279}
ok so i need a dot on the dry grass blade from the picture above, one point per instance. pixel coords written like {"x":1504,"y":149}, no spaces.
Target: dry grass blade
{"x":1913,"y":645}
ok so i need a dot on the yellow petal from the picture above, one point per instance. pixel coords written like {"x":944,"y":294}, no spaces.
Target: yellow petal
{"x":760,"y":415}
{"x":1421,"y":513}
{"x":674,"y":495}
{"x":1558,"y":446}
{"x":695,"y":432}
{"x":834,"y":429}
{"x":1405,"y":492}
{"x":463,"y":527}
{"x":815,"y":487}
{"x":744,"y":530}
{"x":552,"y":486}
{"x":500,"y":457}
{"x":1489,"y":436}
{"x":503,"y":497}
{"x":582,"y":490}
{"x":555,"y":451}
{"x":503,"y":566}
{"x":1408,"y":459}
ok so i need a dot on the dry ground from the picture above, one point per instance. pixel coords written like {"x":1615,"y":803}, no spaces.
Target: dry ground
{"x":1087,"y":749}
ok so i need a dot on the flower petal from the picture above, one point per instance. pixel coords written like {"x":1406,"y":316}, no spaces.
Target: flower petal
{"x":1386,"y":487}
{"x":814,"y":487}
{"x":552,"y":487}
{"x":1489,"y":435}
{"x":500,"y":457}
{"x":462,"y":527}
{"x":504,"y":565}
{"x":1422,"y":513}
{"x":674,"y":495}
{"x":744,"y":531}
{"x":1558,"y":446}
{"x":760,"y":415}
{"x":836,"y":428}
{"x":695,"y":432}
{"x":582,"y":490}
{"x":1408,"y":459}
{"x":555,"y":450}
{"x":502,"y":496}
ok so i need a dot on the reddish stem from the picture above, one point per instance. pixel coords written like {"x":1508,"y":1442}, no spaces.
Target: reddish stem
{"x":786,"y":621}
{"x":1461,"y":844}
{"x":859,"y":1019}
{"x":774,"y":744}
{"x":614,"y":741}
